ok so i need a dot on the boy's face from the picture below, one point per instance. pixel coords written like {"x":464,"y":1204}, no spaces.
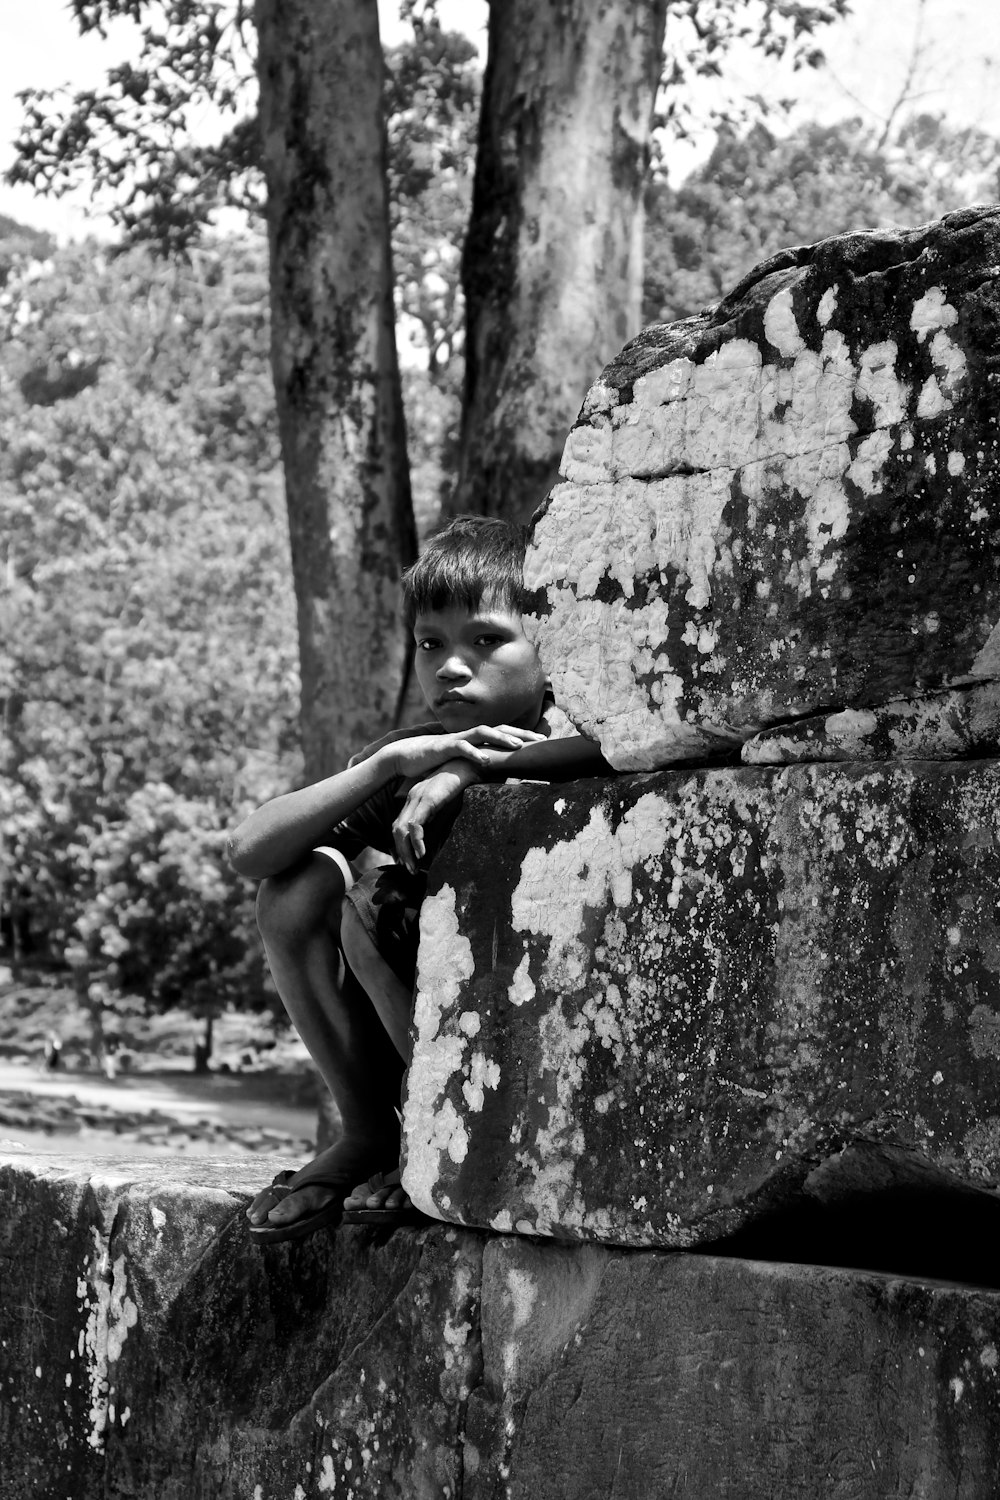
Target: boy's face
{"x":478,"y":668}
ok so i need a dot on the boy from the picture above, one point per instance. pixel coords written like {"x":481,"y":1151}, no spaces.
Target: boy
{"x":342,"y":948}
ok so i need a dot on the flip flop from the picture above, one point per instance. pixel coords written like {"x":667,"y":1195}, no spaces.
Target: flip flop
{"x":388,"y":1218}
{"x":329,"y":1216}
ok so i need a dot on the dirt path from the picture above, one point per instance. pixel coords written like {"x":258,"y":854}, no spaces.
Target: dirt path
{"x":155,"y":1113}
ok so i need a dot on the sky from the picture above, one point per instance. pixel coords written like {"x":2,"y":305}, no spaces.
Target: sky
{"x":956,"y":43}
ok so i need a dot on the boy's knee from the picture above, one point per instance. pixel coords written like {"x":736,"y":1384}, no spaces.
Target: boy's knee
{"x":300,"y":902}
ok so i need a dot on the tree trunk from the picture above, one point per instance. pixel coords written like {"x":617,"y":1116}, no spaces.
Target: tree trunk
{"x":553,"y":260}
{"x":333,"y":353}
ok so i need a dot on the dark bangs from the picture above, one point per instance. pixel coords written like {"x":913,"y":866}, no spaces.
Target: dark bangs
{"x":471,"y":559}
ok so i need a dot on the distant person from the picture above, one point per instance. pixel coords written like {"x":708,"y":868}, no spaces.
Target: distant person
{"x":342,"y":945}
{"x":53,"y":1052}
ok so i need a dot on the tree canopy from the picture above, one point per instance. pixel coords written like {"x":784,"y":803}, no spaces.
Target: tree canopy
{"x":147,"y":647}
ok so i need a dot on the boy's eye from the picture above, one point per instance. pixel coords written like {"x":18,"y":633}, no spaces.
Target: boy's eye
{"x":489,"y":640}
{"x":428,"y":644}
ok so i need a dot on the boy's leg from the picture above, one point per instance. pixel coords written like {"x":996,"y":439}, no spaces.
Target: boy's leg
{"x":390,"y":997}
{"x":299,"y":915}
{"x":392,"y":1001}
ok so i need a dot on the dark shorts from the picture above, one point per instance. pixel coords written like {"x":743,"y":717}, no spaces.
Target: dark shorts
{"x":388,"y":902}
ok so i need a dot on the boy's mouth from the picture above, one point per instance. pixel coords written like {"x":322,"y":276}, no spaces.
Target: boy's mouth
{"x":445,"y":698}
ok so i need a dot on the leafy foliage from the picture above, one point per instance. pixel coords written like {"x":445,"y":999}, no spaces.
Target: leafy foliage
{"x":433,"y":87}
{"x":131,"y":138}
{"x":147,"y":664}
{"x":759,"y":192}
{"x":702,"y":34}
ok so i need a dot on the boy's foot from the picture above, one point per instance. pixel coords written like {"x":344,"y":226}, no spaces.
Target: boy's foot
{"x":382,"y":1200}
{"x":299,"y":1203}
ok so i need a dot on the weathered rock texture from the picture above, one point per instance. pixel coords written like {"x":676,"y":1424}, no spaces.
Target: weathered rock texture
{"x":148,"y":1350}
{"x":668,"y":1005}
{"x":785,"y":506}
{"x":688,"y":1376}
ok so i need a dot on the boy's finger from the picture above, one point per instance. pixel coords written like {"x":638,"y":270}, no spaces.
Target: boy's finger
{"x":508,"y":732}
{"x":472,"y":752}
{"x":522,"y":734}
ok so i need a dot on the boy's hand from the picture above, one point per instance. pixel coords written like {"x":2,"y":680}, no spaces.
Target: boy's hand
{"x":424,"y":799}
{"x":417,"y":756}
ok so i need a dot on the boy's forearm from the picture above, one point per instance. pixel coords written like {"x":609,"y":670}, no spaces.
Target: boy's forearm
{"x":286,"y":828}
{"x":551,"y":760}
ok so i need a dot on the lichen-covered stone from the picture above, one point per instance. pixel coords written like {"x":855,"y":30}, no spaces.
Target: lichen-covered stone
{"x":694,"y":1377}
{"x":149,"y":1349}
{"x":957,"y":724}
{"x":787,"y":505}
{"x":664,"y":1002}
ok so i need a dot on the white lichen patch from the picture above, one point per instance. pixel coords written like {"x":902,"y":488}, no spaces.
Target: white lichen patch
{"x":522,"y":986}
{"x":780,"y":326}
{"x":110,"y":1314}
{"x":932,"y":311}
{"x":827,"y":306}
{"x":433,"y":1127}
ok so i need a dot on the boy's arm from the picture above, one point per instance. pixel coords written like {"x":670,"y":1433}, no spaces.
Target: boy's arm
{"x":547,"y":760}
{"x":281,"y":832}
{"x":544,"y":760}
{"x":431,"y":727}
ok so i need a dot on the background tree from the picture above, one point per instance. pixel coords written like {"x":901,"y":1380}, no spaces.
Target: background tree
{"x":336,"y":376}
{"x":552,"y":269}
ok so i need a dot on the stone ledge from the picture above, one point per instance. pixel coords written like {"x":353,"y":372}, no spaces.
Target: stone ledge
{"x":690,"y":1376}
{"x":147,"y":1349}
{"x":665,"y":1005}
{"x":150,"y":1349}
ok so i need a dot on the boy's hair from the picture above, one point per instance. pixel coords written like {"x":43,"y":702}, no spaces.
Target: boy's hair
{"x":471,"y":559}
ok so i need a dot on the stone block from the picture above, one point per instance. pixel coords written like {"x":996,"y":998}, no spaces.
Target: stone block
{"x":786,"y":505}
{"x":149,"y":1349}
{"x":654,"y":1009}
{"x":691,"y":1376}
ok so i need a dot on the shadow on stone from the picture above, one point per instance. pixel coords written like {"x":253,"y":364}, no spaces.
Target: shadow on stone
{"x":931,"y":1233}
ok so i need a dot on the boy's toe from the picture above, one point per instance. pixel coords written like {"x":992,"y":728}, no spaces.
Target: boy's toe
{"x":269,"y":1197}
{"x":299,"y":1202}
{"x":397,"y":1198}
{"x":381,"y":1191}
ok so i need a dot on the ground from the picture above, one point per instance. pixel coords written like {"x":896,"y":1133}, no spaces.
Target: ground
{"x":260,"y":1098}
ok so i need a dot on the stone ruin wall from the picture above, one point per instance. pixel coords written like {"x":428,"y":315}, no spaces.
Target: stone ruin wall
{"x":711,"y":1048}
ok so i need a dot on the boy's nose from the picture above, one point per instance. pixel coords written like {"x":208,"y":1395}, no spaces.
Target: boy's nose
{"x":453,"y":666}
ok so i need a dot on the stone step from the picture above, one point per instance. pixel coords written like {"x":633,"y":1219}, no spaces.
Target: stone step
{"x":656,"y":1009}
{"x":148,"y":1349}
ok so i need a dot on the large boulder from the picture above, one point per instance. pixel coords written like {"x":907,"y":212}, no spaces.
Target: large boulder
{"x":786,"y":506}
{"x":669,"y":1006}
